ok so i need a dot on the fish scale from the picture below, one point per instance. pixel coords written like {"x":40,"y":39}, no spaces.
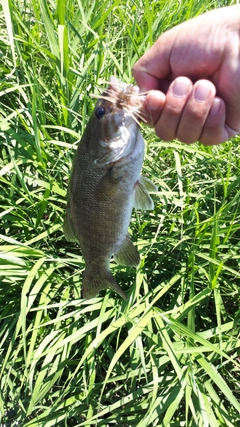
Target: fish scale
{"x":104,"y":186}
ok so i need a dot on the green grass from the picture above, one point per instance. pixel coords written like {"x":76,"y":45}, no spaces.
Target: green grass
{"x":170,"y":355}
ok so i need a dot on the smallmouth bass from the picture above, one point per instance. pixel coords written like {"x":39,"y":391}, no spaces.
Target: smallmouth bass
{"x":105,"y":185}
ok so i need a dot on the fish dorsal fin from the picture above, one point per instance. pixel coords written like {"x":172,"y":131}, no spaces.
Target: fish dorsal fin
{"x":127,"y":254}
{"x":68,"y":228}
{"x":142,"y":200}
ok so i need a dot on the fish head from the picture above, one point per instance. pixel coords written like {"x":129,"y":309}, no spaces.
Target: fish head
{"x":115,"y":122}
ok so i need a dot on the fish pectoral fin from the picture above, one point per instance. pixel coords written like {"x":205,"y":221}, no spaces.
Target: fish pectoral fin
{"x":92,"y":284}
{"x":127,"y":254}
{"x":148,"y":184}
{"x":68,"y":228}
{"x":142,"y":199}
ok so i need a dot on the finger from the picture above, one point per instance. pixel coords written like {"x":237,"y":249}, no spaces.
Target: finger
{"x":230,"y":131}
{"x":196,"y":111}
{"x":153,"y":106}
{"x":214,"y":131}
{"x":166,"y":124}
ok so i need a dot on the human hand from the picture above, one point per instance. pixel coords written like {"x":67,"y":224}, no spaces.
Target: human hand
{"x":193,"y":73}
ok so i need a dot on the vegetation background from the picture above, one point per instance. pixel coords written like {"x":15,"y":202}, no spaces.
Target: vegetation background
{"x":170,"y":355}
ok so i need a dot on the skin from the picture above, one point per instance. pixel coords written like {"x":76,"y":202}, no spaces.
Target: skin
{"x":193,"y":75}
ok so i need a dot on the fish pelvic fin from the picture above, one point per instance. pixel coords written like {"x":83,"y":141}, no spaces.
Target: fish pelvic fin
{"x":68,"y":228}
{"x":127,"y":253}
{"x":92,"y":284}
{"x":142,"y":199}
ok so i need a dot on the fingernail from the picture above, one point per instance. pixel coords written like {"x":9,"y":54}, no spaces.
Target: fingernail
{"x":181,"y":87}
{"x":202,"y":92}
{"x":216,"y":106}
{"x":155,"y":100}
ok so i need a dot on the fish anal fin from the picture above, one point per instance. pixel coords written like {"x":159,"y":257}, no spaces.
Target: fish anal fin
{"x":142,"y":199}
{"x":127,"y":254}
{"x":92,"y":284}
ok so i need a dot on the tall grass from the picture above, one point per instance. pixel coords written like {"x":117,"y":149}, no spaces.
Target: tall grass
{"x":170,"y":355}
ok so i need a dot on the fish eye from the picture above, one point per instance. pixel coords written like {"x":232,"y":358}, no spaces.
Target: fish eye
{"x":99,"y":112}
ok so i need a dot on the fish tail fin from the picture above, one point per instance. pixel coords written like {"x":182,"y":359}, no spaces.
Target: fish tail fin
{"x":92,"y":284}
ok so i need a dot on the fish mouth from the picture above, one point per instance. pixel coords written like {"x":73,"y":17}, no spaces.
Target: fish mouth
{"x":128,"y":98}
{"x":125,"y":97}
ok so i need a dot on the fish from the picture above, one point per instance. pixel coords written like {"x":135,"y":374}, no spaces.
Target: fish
{"x":105,"y":184}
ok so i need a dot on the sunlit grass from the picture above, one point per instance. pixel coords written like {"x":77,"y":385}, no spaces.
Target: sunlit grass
{"x":169,"y":356}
